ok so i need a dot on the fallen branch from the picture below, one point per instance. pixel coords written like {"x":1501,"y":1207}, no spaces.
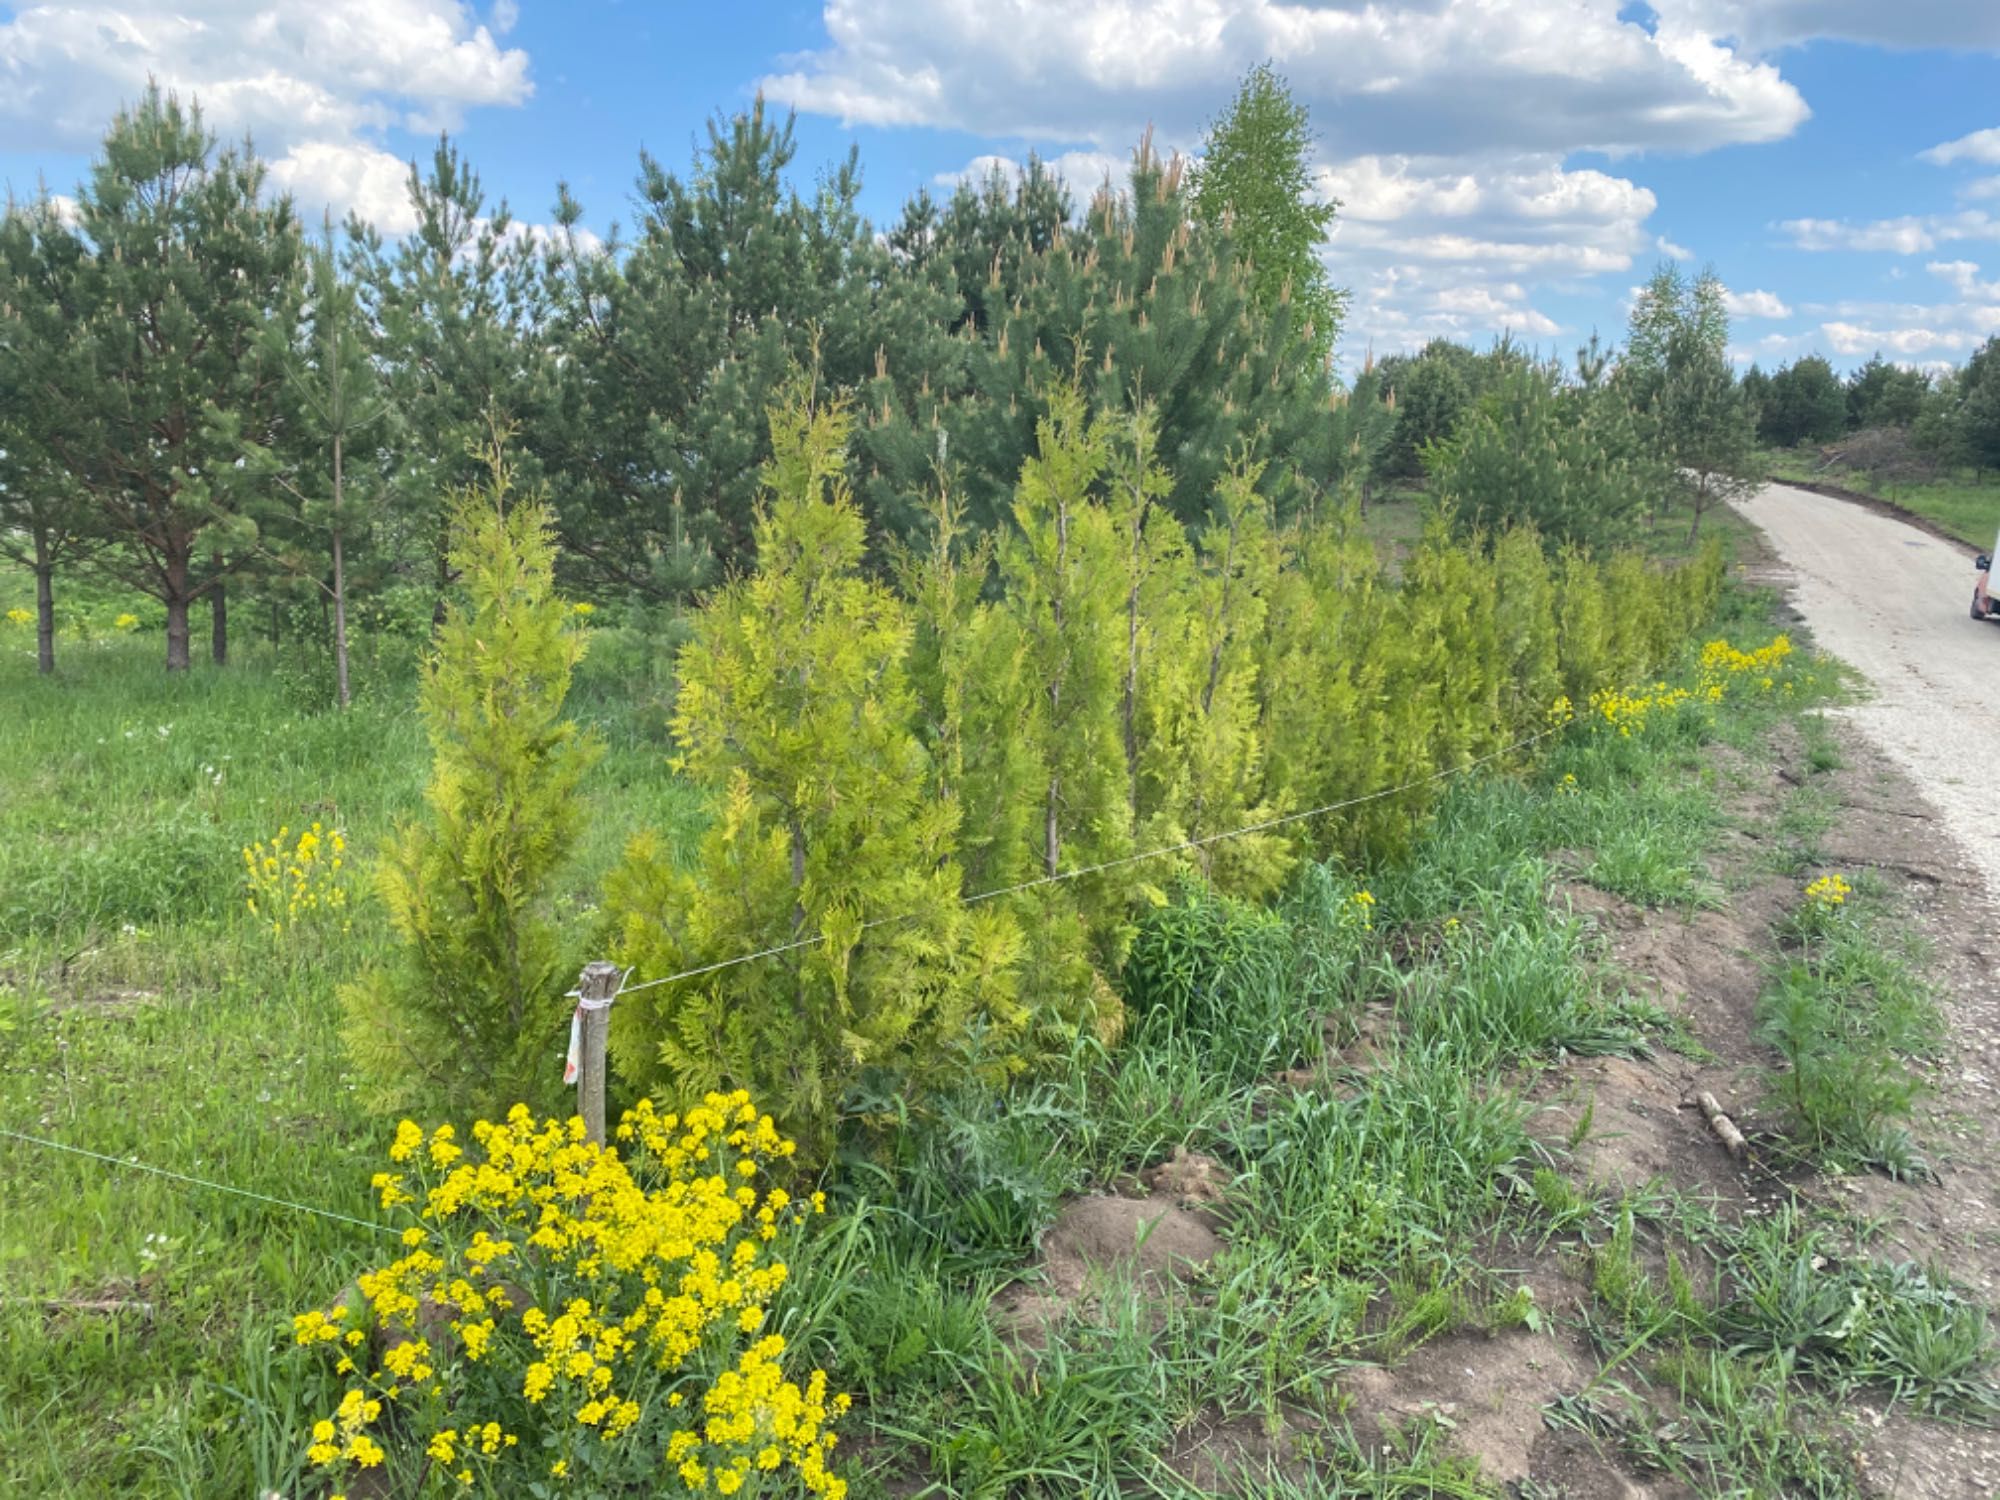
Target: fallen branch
{"x":87,"y":1304}
{"x":1722,"y":1125}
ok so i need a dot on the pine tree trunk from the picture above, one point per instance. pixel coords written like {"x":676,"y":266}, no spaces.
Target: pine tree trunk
{"x":45,"y":607}
{"x":176,"y":600}
{"x":1129,"y":709}
{"x":339,"y":588}
{"x":218,"y":624}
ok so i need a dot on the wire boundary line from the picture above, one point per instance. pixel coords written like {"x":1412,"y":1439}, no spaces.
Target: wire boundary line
{"x":1265,"y":825}
{"x":220,"y":1187}
{"x":1112,"y":864}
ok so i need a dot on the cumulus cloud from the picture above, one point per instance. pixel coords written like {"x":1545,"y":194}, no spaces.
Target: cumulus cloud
{"x":1963,"y":276}
{"x":1083,"y":171}
{"x":1857,"y":339}
{"x":1442,"y":247}
{"x":1445,"y":125}
{"x":1761,"y":26}
{"x":1912,"y":234}
{"x":1981,"y":146}
{"x":1437,"y":78}
{"x":1395,"y":307}
{"x":1509,"y":215}
{"x":1773,"y":348}
{"x":1755,"y":305}
{"x":313,"y":83}
{"x":1912,"y":332}
{"x":333,"y":177}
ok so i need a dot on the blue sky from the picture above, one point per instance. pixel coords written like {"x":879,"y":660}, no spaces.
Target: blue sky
{"x":1503,"y":164}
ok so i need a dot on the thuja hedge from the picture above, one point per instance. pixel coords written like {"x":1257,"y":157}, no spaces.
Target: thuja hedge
{"x":883,"y":754}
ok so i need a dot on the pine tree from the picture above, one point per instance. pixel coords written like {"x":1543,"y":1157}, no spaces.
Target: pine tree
{"x":47,"y":520}
{"x":455,"y":305}
{"x":469,"y":1011}
{"x":1141,"y":302}
{"x":1676,"y":368}
{"x":186,"y":267}
{"x":1571,"y":463}
{"x":675,"y":346}
{"x":338,"y":415}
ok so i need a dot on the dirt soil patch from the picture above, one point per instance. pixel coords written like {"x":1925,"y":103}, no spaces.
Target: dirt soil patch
{"x":1154,"y":1243}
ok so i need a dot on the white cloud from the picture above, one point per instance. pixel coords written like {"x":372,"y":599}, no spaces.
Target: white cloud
{"x":324,"y":175}
{"x":1914,"y":331}
{"x":1856,"y":339}
{"x":312,"y":83}
{"x":1981,"y":146}
{"x":1755,"y":305}
{"x":1773,"y":348}
{"x":1765,"y":25}
{"x":1443,"y":77}
{"x":1456,"y":247}
{"x":1445,"y":125}
{"x":1401,"y":307}
{"x":1963,"y":275}
{"x":1911,"y":234}
{"x":506,"y":16}
{"x":1084,"y":171}
{"x":1509,"y":216}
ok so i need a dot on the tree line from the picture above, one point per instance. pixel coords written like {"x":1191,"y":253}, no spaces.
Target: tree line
{"x":202,"y":397}
{"x":216,"y":404}
{"x":1946,"y":419}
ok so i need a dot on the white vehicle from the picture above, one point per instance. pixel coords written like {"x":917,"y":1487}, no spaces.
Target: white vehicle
{"x":1984,"y":605}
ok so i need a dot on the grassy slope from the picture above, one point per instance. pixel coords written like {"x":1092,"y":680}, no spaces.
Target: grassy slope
{"x":1961,"y":504}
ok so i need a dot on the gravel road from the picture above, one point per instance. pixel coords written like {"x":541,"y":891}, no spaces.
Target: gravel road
{"x":1892,"y":602}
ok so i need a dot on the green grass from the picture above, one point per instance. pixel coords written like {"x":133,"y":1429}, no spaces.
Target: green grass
{"x":146,"y":1016}
{"x":1963,"y":504}
{"x":144,"y":1343}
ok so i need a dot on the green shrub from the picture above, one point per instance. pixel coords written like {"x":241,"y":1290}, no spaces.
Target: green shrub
{"x":470,"y":1011}
{"x":1845,"y":1014}
{"x":1217,"y":970}
{"x":795,"y":719}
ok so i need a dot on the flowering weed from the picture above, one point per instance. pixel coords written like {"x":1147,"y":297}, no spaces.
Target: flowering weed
{"x":298,"y":885}
{"x":596,"y":1317}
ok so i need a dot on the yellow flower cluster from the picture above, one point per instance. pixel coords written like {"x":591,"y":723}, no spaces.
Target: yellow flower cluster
{"x":1626,"y":710}
{"x":293,"y":882}
{"x":127,"y":623}
{"x":1361,"y":909}
{"x":1723,"y":666}
{"x":21,"y":616}
{"x":1829,"y":892}
{"x":594,"y":1316}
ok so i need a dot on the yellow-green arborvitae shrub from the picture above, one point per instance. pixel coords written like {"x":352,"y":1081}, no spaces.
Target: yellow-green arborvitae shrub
{"x":468,"y":1010}
{"x":796,"y":717}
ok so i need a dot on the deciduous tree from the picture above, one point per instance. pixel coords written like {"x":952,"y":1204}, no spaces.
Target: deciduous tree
{"x":1255,"y":177}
